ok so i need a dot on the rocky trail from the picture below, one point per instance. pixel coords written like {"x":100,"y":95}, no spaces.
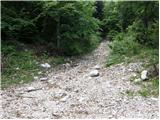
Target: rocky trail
{"x":71,"y":92}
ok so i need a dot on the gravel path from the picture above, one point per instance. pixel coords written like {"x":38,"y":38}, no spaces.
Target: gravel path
{"x":72,"y":93}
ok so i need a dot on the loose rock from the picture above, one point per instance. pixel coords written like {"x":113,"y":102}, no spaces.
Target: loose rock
{"x":94,"y":73}
{"x":17,"y":68}
{"x":39,"y":72}
{"x":46,"y":65}
{"x":137,"y":80}
{"x":35,"y":77}
{"x":64,"y":98}
{"x":97,"y":67}
{"x":43,"y":79}
{"x":29,"y":89}
{"x":144,"y":75}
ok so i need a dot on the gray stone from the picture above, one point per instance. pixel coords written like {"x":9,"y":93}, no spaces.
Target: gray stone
{"x":43,"y":79}
{"x":29,"y":89}
{"x":130,"y":70}
{"x":64,"y":99}
{"x":46,"y":65}
{"x":35,"y":77}
{"x":144,"y":75}
{"x":94,"y":73}
{"x":137,"y":80}
{"x":97,"y":67}
{"x":17,"y":68}
{"x":39,"y":72}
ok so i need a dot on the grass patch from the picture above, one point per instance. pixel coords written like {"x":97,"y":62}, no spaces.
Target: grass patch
{"x":19,"y":66}
{"x":150,"y":88}
{"x":130,"y":93}
{"x":114,"y":59}
{"x":58,"y":60}
{"x":144,"y":92}
{"x":148,"y":55}
{"x":124,"y":48}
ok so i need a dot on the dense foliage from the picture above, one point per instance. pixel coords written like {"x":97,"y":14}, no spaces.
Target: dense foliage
{"x":139,"y":19}
{"x":68,"y":27}
{"x":133,"y":28}
{"x":34,"y":31}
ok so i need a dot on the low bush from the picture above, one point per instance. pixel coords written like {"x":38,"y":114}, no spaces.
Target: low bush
{"x":125,"y":44}
{"x":17,"y":66}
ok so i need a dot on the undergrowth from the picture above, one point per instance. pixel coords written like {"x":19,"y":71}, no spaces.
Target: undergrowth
{"x":21,"y":62}
{"x":150,"y":88}
{"x":20,"y":66}
{"x":125,"y":48}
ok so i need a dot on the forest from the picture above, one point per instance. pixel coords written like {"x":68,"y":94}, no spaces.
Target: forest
{"x":55,"y":32}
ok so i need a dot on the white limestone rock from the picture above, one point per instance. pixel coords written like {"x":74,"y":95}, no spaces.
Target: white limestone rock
{"x":46,"y":65}
{"x":29,"y":89}
{"x":144,"y":75}
{"x":35,"y":77}
{"x":43,"y":79}
{"x":94,"y":73}
{"x":137,"y":80}
{"x":97,"y":67}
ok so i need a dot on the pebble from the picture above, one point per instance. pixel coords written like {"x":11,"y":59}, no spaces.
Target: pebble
{"x":39,"y":72}
{"x":154,"y":98}
{"x":144,"y":75}
{"x":64,"y":99}
{"x":46,"y":65}
{"x":30,"y":89}
{"x":134,"y":74}
{"x":81,"y":99}
{"x":35,"y":77}
{"x":94,"y":73}
{"x":43,"y":79}
{"x":137,"y":80}
{"x":97,"y":67}
{"x":130,"y":70}
{"x":17,"y":68}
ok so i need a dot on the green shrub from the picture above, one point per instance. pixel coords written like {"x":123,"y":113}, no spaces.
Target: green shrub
{"x":124,"y":44}
{"x":112,"y":34}
{"x":68,"y":25}
{"x":153,"y":35}
{"x":8,"y":49}
{"x":114,"y":59}
{"x":150,"y":54}
{"x":19,"y":66}
{"x":58,"y":60}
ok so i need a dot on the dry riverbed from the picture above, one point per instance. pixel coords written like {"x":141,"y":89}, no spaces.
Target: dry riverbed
{"x":72,"y":93}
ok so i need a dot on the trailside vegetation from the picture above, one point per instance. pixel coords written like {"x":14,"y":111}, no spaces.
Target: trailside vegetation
{"x":133,"y":28}
{"x":33,"y":32}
